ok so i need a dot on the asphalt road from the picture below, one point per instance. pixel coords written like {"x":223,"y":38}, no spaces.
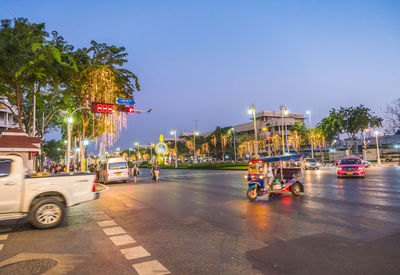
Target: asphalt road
{"x":200,"y":222}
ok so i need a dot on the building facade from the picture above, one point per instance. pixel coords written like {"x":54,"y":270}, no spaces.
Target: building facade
{"x":7,"y":120}
{"x":270,"y":123}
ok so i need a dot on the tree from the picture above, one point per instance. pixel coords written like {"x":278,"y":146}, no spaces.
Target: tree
{"x":189,"y":145}
{"x":301,"y":131}
{"x":294,"y":140}
{"x":393,"y":117}
{"x":276,"y":143}
{"x":350,"y":121}
{"x":224,"y":143}
{"x":53,"y":149}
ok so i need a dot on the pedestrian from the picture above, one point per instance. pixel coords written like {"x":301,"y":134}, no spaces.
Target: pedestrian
{"x":156,"y":171}
{"x":135,"y":172}
{"x":269,"y":174}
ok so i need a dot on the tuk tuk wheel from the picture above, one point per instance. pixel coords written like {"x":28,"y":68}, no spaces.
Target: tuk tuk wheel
{"x":296,"y":189}
{"x":252,"y":194}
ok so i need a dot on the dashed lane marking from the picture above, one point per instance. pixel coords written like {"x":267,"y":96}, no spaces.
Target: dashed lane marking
{"x":3,"y":237}
{"x":116,"y":230}
{"x":122,"y":240}
{"x":101,"y":217}
{"x":99,"y":212}
{"x":135,"y":252}
{"x":106,"y":223}
{"x":150,"y":267}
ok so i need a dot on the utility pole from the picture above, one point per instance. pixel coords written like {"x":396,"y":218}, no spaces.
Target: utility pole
{"x":34,"y":110}
{"x":377,"y":149}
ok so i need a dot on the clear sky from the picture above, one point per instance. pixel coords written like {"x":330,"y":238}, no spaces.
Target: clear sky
{"x":208,"y":60}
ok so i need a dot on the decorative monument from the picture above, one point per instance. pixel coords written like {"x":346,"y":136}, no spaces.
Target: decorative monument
{"x":161,"y":150}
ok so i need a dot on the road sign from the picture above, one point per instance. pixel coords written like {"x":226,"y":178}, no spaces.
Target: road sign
{"x":125,"y":101}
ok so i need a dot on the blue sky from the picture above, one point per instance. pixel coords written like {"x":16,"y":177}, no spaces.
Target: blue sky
{"x":208,"y":60}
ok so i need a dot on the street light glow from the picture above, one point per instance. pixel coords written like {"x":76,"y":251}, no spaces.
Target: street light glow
{"x":308,"y":112}
{"x":70,"y":120}
{"x":85,"y":142}
{"x":376,"y":133}
{"x":250,"y":111}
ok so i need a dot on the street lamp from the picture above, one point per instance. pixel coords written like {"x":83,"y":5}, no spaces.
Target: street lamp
{"x":365,"y":144}
{"x":309,"y":117}
{"x":397,"y":146}
{"x":129,"y":153}
{"x":286,"y":132}
{"x":138,"y":149}
{"x":69,"y":130}
{"x":252,"y":110}
{"x":377,"y":149}
{"x":195,"y":133}
{"x":234,"y":141}
{"x":283,"y":110}
{"x":173,"y":132}
{"x":86,"y":144}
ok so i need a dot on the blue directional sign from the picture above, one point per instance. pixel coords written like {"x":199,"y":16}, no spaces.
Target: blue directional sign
{"x":125,"y":101}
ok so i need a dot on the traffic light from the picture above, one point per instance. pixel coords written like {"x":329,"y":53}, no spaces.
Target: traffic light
{"x":130,"y":109}
{"x":103,"y":108}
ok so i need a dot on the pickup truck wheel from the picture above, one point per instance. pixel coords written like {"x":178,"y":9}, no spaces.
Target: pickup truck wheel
{"x":47,"y":213}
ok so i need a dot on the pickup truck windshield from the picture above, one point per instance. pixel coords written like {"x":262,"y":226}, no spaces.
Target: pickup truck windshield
{"x":117,"y":165}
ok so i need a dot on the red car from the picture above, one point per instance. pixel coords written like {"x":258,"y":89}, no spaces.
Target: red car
{"x":350,"y":167}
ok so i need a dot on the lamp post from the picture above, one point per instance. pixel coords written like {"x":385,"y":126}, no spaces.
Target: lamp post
{"x":234,"y":141}
{"x":195,"y":133}
{"x":138,"y":149}
{"x":151,"y":152}
{"x":129,"y":153}
{"x":69,"y":130}
{"x":365,"y":144}
{"x":283,"y":109}
{"x":286,"y":131}
{"x":309,"y":117}
{"x":86,"y":144}
{"x":397,"y":146}
{"x":377,"y":149}
{"x":173,"y":132}
{"x":252,"y":110}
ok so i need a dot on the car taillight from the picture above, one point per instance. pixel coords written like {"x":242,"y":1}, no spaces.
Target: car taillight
{"x":94,"y":188}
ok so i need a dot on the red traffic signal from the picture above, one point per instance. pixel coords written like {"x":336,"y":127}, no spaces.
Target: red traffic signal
{"x":102,"y":108}
{"x":130,"y":109}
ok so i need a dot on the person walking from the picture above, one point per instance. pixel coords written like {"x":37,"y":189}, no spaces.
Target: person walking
{"x":135,"y":172}
{"x":156,"y":171}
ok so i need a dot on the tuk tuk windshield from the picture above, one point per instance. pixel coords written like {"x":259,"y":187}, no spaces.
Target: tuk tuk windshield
{"x":256,"y":167}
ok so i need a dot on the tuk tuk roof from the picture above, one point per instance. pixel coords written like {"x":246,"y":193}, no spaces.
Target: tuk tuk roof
{"x":281,"y":158}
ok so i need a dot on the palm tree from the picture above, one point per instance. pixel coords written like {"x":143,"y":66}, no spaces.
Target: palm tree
{"x":205,"y":148}
{"x":214,"y":143}
{"x":224,"y":143}
{"x":189,"y":145}
{"x":276,"y":143}
{"x":294,"y":140}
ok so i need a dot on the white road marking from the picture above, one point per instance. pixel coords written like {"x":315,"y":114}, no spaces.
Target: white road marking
{"x":150,"y":267}
{"x":106,"y":223}
{"x":3,"y":237}
{"x":1,"y":246}
{"x":99,"y":212}
{"x":116,"y":230}
{"x":122,"y":240}
{"x":135,"y":252}
{"x":101,"y":217}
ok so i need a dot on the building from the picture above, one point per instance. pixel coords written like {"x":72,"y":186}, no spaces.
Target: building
{"x":16,"y":142}
{"x":270,"y":123}
{"x":6,"y":117}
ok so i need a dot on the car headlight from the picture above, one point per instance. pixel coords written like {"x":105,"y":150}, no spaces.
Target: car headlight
{"x":339,"y":168}
{"x":360,"y":168}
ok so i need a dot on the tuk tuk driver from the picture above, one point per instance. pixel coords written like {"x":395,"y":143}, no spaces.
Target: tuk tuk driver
{"x":269,"y":174}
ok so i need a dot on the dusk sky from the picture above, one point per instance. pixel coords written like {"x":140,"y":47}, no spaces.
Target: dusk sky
{"x":209,"y":60}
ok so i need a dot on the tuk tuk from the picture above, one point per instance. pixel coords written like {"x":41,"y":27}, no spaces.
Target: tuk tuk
{"x":274,"y":175}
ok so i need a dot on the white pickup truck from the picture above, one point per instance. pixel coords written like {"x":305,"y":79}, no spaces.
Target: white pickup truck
{"x":44,"y":199}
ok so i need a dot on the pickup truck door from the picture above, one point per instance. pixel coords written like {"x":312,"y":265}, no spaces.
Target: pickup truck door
{"x":10,"y":186}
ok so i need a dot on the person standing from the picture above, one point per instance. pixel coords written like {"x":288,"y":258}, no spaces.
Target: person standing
{"x":156,"y":171}
{"x":135,"y":172}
